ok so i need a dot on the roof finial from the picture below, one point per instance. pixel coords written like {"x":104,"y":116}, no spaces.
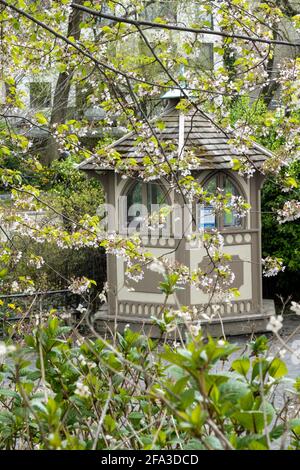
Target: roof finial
{"x":175,"y":94}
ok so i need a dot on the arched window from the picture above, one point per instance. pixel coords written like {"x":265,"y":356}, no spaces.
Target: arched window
{"x":142,"y":200}
{"x":229,"y":218}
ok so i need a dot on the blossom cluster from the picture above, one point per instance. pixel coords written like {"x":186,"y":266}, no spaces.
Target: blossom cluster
{"x":79,"y":285}
{"x":295,"y":307}
{"x":272,"y":266}
{"x":275,"y":323}
{"x":289,"y":212}
{"x":5,"y":349}
{"x":82,"y":390}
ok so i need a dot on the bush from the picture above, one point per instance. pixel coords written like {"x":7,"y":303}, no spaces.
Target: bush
{"x":62,"y":392}
{"x":281,"y":240}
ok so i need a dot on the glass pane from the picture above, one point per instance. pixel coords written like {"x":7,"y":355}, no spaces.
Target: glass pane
{"x":155,"y":195}
{"x":211,"y":185}
{"x":159,"y":9}
{"x":206,"y":215}
{"x":135,"y":203}
{"x":207,"y":218}
{"x":134,"y":206}
{"x":156,"y":201}
{"x":230,"y":218}
{"x":229,"y":187}
{"x":135,"y":195}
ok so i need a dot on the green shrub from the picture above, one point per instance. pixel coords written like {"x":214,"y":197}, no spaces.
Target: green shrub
{"x":62,"y":392}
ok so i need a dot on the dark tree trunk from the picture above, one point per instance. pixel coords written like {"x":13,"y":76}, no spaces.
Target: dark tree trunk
{"x":63,"y":84}
{"x":62,"y":89}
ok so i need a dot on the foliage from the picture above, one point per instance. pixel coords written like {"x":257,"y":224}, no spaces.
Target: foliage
{"x":281,"y":240}
{"x":71,"y":192}
{"x":62,"y":392}
{"x":278,"y":239}
{"x":69,"y":263}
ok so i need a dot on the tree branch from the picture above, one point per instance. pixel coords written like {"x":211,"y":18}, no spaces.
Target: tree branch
{"x":139,"y":23}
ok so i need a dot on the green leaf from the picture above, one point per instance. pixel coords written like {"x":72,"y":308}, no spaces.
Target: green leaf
{"x":260,"y":345}
{"x":6,"y":392}
{"x":109,"y":424}
{"x":260,"y":366}
{"x":241,"y":365}
{"x":61,"y":67}
{"x":257,"y":445}
{"x":251,"y":420}
{"x":233,"y":390}
{"x":236,"y":164}
{"x":4,"y":150}
{"x":161,"y":125}
{"x":187,"y":47}
{"x":213,"y":442}
{"x":106,"y":29}
{"x":180,"y":385}
{"x":193,"y":444}
{"x":247,"y":401}
{"x":135,"y":416}
{"x":291,"y":182}
{"x":269,"y":411}
{"x":277,"y":432}
{"x":294,"y":425}
{"x":187,"y":398}
{"x":169,"y":285}
{"x":40,"y":118}
{"x":3,"y":273}
{"x":198,"y":416}
{"x":53,"y":325}
{"x":277,"y":368}
{"x":7,"y":418}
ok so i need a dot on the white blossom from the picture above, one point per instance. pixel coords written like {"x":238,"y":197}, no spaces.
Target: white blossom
{"x":272,"y":266}
{"x":195,"y":329}
{"x":81,"y":308}
{"x":275,"y":323}
{"x":36,"y":261}
{"x":289,"y":212}
{"x":103,"y":294}
{"x":157,"y":267}
{"x":82,"y":360}
{"x":79,"y":285}
{"x":15,"y":286}
{"x":184,"y":315}
{"x":295,"y":307}
{"x":4,"y":350}
{"x":82,"y":390}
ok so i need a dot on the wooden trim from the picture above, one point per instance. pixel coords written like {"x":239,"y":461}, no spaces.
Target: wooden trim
{"x":255,"y":220}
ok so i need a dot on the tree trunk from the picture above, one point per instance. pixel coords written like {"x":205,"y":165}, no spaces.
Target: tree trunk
{"x":62,"y":89}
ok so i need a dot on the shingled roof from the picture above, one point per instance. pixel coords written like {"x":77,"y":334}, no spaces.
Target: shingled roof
{"x":192,"y":130}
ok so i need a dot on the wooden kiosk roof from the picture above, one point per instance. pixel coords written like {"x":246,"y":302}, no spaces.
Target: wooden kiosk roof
{"x":191,"y":130}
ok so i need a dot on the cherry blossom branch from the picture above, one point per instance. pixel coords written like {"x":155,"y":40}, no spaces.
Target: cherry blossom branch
{"x":152,"y":24}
